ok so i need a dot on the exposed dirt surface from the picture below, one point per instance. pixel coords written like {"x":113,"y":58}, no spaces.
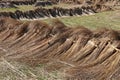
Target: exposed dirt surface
{"x":81,"y":54}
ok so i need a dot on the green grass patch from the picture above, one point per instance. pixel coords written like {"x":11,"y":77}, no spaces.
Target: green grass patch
{"x":32,"y":7}
{"x":110,"y":19}
{"x":21,"y":8}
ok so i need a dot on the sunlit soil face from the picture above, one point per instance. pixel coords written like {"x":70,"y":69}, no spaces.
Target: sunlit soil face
{"x":79,"y":53}
{"x":81,"y":44}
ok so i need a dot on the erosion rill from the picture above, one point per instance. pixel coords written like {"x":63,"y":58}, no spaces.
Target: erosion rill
{"x":81,"y":53}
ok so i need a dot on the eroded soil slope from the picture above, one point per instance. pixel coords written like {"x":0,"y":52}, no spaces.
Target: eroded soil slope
{"x":80,"y":53}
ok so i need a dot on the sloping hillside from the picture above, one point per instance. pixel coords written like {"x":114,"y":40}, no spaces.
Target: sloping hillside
{"x":79,"y":53}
